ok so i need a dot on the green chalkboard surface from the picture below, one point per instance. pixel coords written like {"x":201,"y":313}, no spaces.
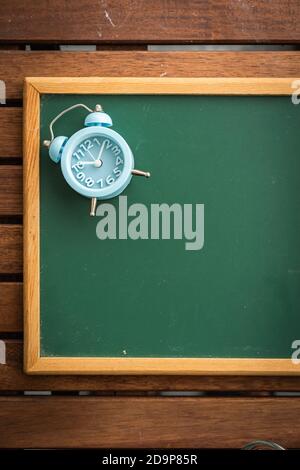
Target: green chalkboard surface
{"x":238,"y":296}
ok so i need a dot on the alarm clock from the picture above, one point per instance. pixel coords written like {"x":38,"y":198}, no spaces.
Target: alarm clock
{"x":96,"y":161}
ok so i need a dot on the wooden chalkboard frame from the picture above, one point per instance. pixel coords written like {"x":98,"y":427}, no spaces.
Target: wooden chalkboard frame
{"x":33,"y":362}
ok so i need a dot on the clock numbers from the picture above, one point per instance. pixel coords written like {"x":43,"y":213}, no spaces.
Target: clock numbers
{"x":78,"y":166}
{"x":119,"y":161}
{"x":87,"y":152}
{"x":90,"y":182}
{"x":86,"y":145}
{"x":117,"y":172}
{"x":107,"y":144}
{"x":79,"y":154}
{"x":100,"y":181}
{"x":116,"y":150}
{"x":80,"y":176}
{"x":109,"y":180}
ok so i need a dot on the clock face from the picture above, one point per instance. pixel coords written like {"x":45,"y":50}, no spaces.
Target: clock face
{"x":97,"y":163}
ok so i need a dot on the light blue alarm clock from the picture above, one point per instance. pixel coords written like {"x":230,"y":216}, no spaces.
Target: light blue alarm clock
{"x":96,"y":161}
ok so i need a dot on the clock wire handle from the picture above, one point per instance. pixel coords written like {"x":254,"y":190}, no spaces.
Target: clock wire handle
{"x":78,"y":105}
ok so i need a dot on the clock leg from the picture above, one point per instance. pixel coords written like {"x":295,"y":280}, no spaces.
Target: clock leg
{"x":141,"y":173}
{"x":93,"y":206}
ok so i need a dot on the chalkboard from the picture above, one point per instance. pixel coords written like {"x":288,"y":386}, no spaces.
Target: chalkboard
{"x":230,"y":306}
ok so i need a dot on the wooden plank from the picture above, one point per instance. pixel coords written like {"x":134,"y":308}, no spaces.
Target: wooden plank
{"x":160,"y":85}
{"x":11,"y":318}
{"x":143,"y":64}
{"x":10,"y":190}
{"x":12,"y":378}
{"x":131,"y":64}
{"x":10,"y":132}
{"x":11,"y":249}
{"x":31,"y":230}
{"x":200,"y":21}
{"x":111,"y":422}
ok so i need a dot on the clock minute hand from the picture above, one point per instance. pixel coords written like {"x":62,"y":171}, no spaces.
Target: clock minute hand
{"x":101,"y":152}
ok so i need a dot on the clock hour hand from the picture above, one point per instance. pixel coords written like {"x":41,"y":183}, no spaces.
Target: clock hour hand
{"x":96,"y":163}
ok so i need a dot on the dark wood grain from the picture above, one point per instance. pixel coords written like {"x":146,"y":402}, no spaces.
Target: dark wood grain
{"x":200,"y":21}
{"x":111,"y":422}
{"x":180,"y":64}
{"x":11,"y":310}
{"x":11,"y":200}
{"x":12,"y":377}
{"x":6,"y":47}
{"x":10,"y":249}
{"x":129,"y":63}
{"x":10,"y":132}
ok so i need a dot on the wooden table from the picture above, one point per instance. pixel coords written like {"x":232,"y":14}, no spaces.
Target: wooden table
{"x":129,"y":411}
